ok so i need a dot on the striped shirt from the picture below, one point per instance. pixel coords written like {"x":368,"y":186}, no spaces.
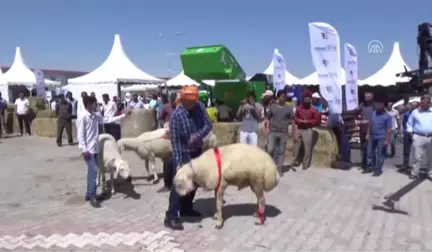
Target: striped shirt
{"x":183,"y":125}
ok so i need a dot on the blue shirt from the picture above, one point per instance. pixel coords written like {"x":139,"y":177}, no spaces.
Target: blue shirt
{"x":380,"y":123}
{"x":183,"y":125}
{"x":318,"y":107}
{"x":420,"y":121}
{"x":405,"y":119}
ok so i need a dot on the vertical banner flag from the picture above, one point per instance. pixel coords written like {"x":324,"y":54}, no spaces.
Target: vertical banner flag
{"x":325,"y":49}
{"x":351,"y":77}
{"x":278,"y":70}
{"x":40,"y":83}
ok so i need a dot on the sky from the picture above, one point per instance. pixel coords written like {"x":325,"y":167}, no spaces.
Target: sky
{"x":78,"y":35}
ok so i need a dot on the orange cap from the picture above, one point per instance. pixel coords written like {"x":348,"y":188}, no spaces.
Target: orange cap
{"x":189,"y":93}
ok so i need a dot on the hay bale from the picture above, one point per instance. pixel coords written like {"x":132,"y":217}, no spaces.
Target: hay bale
{"x":325,"y":149}
{"x":226,"y":132}
{"x":11,"y":122}
{"x":46,"y":114}
{"x":37,"y":103}
{"x":140,"y":121}
{"x":47,"y":127}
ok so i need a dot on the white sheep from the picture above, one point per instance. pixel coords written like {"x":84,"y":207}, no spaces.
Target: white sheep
{"x":110,"y":161}
{"x":149,"y":146}
{"x":242,"y":165}
{"x":156,"y":144}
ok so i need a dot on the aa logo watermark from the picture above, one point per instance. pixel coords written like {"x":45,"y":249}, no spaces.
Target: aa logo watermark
{"x":375,"y":47}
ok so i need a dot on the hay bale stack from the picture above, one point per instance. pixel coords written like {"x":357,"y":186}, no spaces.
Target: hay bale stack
{"x":325,"y":149}
{"x":37,"y":103}
{"x":140,"y":121}
{"x":46,"y":114}
{"x":226,"y":133}
{"x":47,"y":127}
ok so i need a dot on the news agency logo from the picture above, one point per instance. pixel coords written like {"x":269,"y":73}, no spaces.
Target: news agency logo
{"x":375,"y":47}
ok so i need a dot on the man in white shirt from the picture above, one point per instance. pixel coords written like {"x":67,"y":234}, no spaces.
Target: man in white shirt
{"x":87,"y":135}
{"x":54,"y":103}
{"x":394,"y":114}
{"x":109,"y":109}
{"x":22,"y":107}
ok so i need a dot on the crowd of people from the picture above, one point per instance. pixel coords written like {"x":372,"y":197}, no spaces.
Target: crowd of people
{"x":190,"y":121}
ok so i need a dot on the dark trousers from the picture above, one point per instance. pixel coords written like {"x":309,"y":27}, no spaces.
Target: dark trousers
{"x":407,"y":143}
{"x":276,"y":143}
{"x":64,"y":124}
{"x":364,"y":149}
{"x":176,"y":202}
{"x":24,"y":119}
{"x":113,"y":129}
{"x":168,"y":167}
{"x":343,"y":143}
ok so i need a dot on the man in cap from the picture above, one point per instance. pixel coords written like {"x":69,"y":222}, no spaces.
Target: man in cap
{"x":407,"y":139}
{"x":419,"y":126}
{"x":189,"y":125}
{"x":316,"y":98}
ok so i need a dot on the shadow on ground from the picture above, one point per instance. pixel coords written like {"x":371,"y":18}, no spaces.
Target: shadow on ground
{"x":207,"y":208}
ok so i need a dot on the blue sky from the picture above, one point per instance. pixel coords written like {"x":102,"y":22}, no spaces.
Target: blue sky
{"x":78,"y":35}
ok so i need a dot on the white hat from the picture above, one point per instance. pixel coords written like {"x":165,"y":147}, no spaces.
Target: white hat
{"x":316,"y":95}
{"x":267,"y":93}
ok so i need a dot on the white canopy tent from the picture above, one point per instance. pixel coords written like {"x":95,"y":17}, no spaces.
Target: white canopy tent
{"x":115,"y":69}
{"x":140,"y":87}
{"x":312,"y":79}
{"x":183,"y":80}
{"x":289,"y":78}
{"x":4,"y":87}
{"x":386,"y":76}
{"x":20,"y":74}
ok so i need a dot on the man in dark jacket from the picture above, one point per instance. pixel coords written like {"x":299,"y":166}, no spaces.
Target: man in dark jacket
{"x":64,"y":120}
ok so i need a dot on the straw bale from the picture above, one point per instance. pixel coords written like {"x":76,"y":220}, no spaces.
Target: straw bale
{"x":226,"y":132}
{"x":325,"y":149}
{"x":47,"y":127}
{"x":46,"y":114}
{"x":140,"y":121}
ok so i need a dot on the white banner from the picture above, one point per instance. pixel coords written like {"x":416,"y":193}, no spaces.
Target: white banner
{"x":351,"y":77}
{"x":278,"y":70}
{"x":40,"y":83}
{"x":325,"y":49}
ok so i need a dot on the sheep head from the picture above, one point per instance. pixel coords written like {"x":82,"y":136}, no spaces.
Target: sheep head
{"x":183,"y":180}
{"x":123,"y":169}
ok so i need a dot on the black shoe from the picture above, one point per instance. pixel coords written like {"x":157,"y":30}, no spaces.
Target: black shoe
{"x":295,"y":164}
{"x":70,"y":143}
{"x":190,"y":213}
{"x":412,"y":176}
{"x":59,"y":144}
{"x":173,"y":224}
{"x":365,"y":171}
{"x":305,"y":167}
{"x":164,"y":189}
{"x":377,"y":173}
{"x":98,"y":198}
{"x":95,"y":203}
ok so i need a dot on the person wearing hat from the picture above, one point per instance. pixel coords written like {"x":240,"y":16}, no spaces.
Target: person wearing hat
{"x":267,"y":100}
{"x":419,"y":127}
{"x":189,"y":125}
{"x":378,"y":136}
{"x":316,"y":98}
{"x":306,"y":117}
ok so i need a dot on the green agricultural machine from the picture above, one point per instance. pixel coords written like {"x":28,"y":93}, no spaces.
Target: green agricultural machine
{"x":216,"y":62}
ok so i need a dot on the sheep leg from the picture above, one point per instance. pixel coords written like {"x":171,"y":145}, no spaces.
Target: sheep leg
{"x":147,"y":167}
{"x":219,"y":204}
{"x":112,"y":182}
{"x":153,"y":168}
{"x":261,"y":206}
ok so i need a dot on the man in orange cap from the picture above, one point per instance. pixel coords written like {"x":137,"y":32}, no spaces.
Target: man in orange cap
{"x":189,"y":125}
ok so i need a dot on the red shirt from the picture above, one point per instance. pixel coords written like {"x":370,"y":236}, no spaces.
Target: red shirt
{"x":306,"y":118}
